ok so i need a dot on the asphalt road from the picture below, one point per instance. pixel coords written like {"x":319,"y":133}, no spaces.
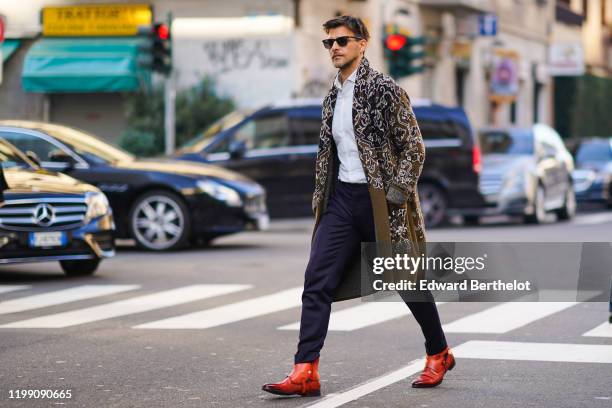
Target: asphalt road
{"x":209,"y":326}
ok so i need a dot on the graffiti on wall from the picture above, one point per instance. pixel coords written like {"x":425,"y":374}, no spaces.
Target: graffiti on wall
{"x":243,"y":54}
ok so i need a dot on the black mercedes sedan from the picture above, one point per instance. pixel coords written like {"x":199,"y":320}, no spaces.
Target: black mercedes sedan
{"x":48,"y":216}
{"x":162,"y":204}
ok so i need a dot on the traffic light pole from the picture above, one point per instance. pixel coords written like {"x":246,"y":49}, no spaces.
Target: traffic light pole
{"x":169,"y":103}
{"x":169,"y":112}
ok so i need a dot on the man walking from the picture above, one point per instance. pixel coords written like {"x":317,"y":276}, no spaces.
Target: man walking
{"x":369,"y":159}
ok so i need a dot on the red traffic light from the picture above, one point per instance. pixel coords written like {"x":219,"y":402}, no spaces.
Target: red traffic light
{"x":395,"y":42}
{"x":162,"y":31}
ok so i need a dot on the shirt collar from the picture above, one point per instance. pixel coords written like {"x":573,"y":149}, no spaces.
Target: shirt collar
{"x":351,"y":78}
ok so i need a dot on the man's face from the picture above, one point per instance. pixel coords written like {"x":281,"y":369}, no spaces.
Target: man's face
{"x":344,"y":56}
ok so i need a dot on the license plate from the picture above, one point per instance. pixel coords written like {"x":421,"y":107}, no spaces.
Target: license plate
{"x":48,"y":239}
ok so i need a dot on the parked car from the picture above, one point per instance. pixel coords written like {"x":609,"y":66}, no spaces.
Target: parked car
{"x":163,"y":204}
{"x":277,"y":145}
{"x":593,"y":173}
{"x":49,"y":216}
{"x":526,"y":172}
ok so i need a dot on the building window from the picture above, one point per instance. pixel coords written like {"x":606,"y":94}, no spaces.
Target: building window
{"x":460,"y":74}
{"x":537,"y":90}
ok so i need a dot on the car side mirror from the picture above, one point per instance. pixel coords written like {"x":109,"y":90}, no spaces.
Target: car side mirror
{"x":33,"y":157}
{"x":237,"y":149}
{"x":60,"y":156}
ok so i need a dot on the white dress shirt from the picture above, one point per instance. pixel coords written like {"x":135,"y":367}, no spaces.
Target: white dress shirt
{"x":351,"y":169}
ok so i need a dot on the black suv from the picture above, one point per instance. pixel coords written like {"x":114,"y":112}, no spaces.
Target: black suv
{"x":276,"y":145}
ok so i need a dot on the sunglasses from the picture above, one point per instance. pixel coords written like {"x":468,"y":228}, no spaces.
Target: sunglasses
{"x":342,"y":41}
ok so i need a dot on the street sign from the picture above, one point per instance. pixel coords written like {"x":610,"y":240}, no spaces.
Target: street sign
{"x":487,"y":25}
{"x":95,"y":20}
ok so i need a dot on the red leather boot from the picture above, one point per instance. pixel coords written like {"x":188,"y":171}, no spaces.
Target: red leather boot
{"x":435,"y":368}
{"x":303,"y":380}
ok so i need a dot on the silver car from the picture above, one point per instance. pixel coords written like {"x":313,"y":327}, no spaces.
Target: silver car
{"x":526,"y":172}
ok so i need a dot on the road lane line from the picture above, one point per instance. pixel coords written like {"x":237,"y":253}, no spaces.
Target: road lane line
{"x":603,"y":330}
{"x":61,"y":296}
{"x":12,"y":288}
{"x":488,"y":350}
{"x":522,"y":351}
{"x":589,"y":219}
{"x":364,"y":315}
{"x":130,"y":306}
{"x":505,"y":317}
{"x":231,"y":313}
{"x":336,"y":400}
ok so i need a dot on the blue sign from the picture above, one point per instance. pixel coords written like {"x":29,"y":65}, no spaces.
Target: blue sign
{"x":487,"y":25}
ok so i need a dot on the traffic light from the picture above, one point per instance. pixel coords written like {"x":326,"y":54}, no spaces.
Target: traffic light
{"x":403,"y":56}
{"x":156,"y":48}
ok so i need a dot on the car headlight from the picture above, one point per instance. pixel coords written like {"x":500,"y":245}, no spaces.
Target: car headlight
{"x":97,"y":205}
{"x":220,"y":192}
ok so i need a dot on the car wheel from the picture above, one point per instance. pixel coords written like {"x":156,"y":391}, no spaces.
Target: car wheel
{"x":569,"y":206}
{"x":539,"y":212}
{"x":159,"y":221}
{"x":85,"y":267}
{"x":433,"y":204}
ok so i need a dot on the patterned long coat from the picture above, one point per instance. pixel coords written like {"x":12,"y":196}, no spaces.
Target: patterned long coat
{"x":392,"y":153}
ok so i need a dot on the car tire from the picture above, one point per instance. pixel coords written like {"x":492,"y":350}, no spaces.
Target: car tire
{"x":539,"y":213}
{"x":158,"y":214}
{"x":84,"y":267}
{"x":569,"y":205}
{"x":433,"y":204}
{"x":471,"y":219}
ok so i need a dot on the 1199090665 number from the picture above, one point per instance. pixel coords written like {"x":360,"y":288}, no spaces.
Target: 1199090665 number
{"x":40,"y":394}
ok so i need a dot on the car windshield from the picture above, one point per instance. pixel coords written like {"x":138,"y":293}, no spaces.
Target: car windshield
{"x":88,"y":145}
{"x":514,"y":141}
{"x":11,"y":157}
{"x":598,"y":151}
{"x":231,"y":119}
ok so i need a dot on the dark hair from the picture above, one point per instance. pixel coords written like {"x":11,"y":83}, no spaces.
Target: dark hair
{"x":355,"y":24}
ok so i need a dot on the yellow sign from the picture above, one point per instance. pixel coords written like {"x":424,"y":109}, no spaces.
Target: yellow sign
{"x":95,"y":20}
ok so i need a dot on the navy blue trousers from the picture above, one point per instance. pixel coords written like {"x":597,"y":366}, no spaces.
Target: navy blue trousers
{"x":348,"y":221}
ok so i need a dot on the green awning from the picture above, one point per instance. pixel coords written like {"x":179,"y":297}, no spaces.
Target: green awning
{"x":83,"y":65}
{"x":8,"y":48}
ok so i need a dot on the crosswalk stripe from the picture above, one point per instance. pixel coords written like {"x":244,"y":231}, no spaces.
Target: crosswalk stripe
{"x":134,"y":305}
{"x":554,"y":352}
{"x":61,"y":296}
{"x":12,"y":288}
{"x":505,"y":317}
{"x":336,"y":400}
{"x":231,"y":313}
{"x":588,"y":219}
{"x":364,"y":315}
{"x":603,"y":330}
{"x":490,"y":350}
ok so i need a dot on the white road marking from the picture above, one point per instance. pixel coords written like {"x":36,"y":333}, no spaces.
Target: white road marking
{"x":589,"y":219}
{"x":61,"y":296}
{"x":338,"y":399}
{"x":505,"y":317}
{"x":489,"y":350}
{"x":134,"y":305}
{"x":552,"y":352}
{"x":231,"y":313}
{"x":12,"y":288}
{"x":603,"y":330}
{"x":364,"y":315}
